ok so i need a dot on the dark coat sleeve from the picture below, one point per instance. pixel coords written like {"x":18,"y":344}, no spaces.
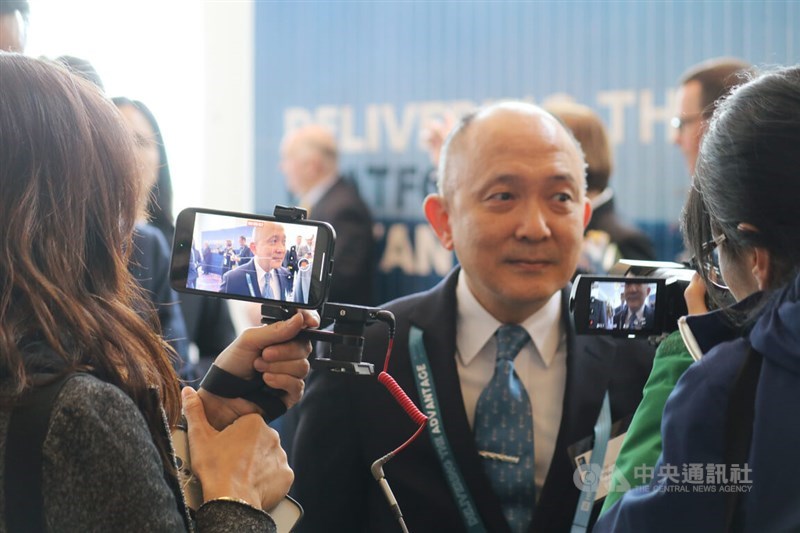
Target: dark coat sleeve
{"x":103,"y":471}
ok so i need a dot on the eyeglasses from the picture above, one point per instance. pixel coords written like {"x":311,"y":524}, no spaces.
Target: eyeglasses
{"x":709,"y":262}
{"x":679,"y":123}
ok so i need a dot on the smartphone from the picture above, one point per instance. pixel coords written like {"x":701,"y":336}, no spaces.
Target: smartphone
{"x":624,"y":306}
{"x":250,"y":257}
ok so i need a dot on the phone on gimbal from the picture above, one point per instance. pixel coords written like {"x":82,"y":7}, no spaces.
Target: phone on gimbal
{"x":266,"y":259}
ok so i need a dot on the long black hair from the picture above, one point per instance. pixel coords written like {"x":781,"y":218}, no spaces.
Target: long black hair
{"x":748,"y":172}
{"x":159,"y":205}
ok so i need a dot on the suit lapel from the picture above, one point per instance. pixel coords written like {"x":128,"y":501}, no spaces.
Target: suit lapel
{"x":436,"y":316}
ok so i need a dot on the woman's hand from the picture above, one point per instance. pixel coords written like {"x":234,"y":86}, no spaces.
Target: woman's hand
{"x":695,"y":296}
{"x":271,"y":351}
{"x":244,"y":461}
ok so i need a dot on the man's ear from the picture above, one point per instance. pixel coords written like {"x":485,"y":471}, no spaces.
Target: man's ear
{"x":587,"y":212}
{"x":435,"y":210}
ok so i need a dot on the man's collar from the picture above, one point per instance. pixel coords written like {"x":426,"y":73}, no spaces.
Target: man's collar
{"x":318,"y":191}
{"x":476,"y":326}
{"x":259,"y":271}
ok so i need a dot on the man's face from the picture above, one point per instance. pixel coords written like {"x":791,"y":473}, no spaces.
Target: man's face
{"x":297,"y":164}
{"x":635,"y":295}
{"x":692,"y":127}
{"x":270,"y":246}
{"x":13,"y":32}
{"x":242,"y":241}
{"x":517,"y":210}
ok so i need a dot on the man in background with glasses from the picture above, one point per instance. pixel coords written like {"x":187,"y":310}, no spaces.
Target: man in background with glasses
{"x":701,"y":86}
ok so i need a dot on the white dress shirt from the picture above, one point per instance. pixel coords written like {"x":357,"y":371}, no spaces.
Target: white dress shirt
{"x":264,"y":278}
{"x":541,"y":366}
{"x":639,"y":321}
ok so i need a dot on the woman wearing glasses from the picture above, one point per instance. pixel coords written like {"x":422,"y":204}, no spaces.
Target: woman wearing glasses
{"x":730,"y":426}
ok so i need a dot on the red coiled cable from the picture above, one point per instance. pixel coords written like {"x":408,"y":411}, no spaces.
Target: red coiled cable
{"x":402,"y":398}
{"x":400,"y":395}
{"x":411,"y":410}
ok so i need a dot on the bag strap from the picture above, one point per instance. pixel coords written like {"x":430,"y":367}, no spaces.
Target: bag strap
{"x":27,"y":429}
{"x":739,"y":426}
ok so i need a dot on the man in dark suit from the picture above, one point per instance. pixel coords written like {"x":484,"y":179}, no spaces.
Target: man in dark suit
{"x":635,"y":313}
{"x":511,"y":204}
{"x":244,"y":253}
{"x":228,"y":253}
{"x":309,"y":160}
{"x":263,"y":276}
{"x":194,"y":264}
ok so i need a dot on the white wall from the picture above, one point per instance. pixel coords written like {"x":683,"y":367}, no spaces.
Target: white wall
{"x":228,"y":55}
{"x":191,"y":63}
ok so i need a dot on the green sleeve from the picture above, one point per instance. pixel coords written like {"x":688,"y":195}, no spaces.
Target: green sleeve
{"x":642,"y":444}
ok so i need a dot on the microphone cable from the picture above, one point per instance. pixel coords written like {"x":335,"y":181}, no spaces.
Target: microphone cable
{"x":411,"y":410}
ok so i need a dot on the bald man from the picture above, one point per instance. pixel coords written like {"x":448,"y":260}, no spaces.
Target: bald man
{"x":511,"y":203}
{"x":263,"y":276}
{"x":309,"y":161}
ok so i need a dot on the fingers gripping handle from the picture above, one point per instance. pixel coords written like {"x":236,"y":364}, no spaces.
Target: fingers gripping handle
{"x":225,"y":384}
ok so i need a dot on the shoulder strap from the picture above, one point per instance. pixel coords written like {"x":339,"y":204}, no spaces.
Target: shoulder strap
{"x":739,"y":426}
{"x":27,"y":429}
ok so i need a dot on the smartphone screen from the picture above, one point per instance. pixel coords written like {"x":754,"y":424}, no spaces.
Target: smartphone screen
{"x":618,"y":306}
{"x":252,"y":257}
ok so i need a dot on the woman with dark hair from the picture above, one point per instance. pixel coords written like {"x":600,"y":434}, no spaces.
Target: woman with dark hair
{"x":69,"y":200}
{"x":208,"y":321}
{"x":730,"y":427}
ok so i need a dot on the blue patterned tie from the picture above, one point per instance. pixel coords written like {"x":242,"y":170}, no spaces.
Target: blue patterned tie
{"x":267,"y":292}
{"x":504,"y":432}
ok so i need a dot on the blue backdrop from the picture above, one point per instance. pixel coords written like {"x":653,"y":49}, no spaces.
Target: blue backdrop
{"x":376,"y":72}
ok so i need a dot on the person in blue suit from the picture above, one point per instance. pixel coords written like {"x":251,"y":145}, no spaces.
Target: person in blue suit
{"x":243,"y":253}
{"x":635,"y":313}
{"x":263,"y":276}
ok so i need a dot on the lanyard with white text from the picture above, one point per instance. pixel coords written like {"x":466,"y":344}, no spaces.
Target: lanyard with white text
{"x":593,"y":476}
{"x":250,"y":285}
{"x":430,"y":405}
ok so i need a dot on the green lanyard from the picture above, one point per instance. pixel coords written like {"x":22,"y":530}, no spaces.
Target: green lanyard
{"x":430,"y":405}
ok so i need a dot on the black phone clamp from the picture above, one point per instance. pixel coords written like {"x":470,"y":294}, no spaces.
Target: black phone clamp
{"x":346,"y":340}
{"x":289,"y":214}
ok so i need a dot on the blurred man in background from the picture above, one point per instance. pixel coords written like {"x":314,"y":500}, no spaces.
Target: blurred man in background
{"x":309,"y":160}
{"x":701,"y":86}
{"x":13,"y":25}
